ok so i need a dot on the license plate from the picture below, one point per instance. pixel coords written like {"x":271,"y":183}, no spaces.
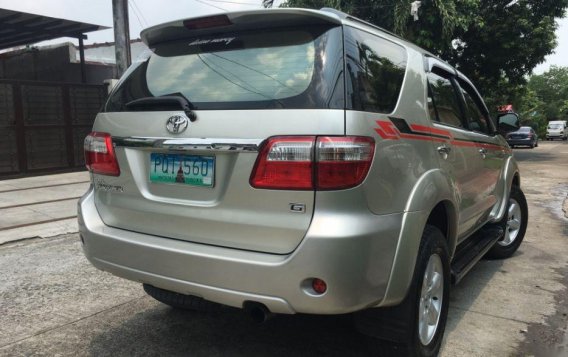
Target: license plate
{"x":193,"y":170}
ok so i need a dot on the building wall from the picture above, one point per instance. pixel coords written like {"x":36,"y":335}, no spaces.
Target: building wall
{"x":51,"y":64}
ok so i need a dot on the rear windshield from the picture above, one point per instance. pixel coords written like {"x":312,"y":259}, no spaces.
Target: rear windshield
{"x":525,"y":129}
{"x":278,"y":68}
{"x":555,"y":126}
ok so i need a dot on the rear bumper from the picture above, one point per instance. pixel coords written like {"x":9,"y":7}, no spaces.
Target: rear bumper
{"x":352,"y":252}
{"x":555,"y":135}
{"x":527,"y":142}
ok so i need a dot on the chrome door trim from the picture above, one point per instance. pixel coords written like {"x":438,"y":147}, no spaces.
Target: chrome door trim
{"x":211,"y":144}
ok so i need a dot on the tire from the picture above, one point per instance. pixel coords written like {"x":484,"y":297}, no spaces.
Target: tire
{"x":402,"y":324}
{"x":180,"y":301}
{"x":532,"y":146}
{"x":515,"y":224}
{"x":536,"y":144}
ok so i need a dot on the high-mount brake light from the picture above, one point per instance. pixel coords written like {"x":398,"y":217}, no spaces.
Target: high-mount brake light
{"x":207,"y":22}
{"x":99,"y":154}
{"x":309,"y":162}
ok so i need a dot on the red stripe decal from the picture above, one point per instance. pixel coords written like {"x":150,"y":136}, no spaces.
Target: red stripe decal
{"x":429,"y":130}
{"x":470,"y":144}
{"x":387,"y":130}
{"x":424,"y":138}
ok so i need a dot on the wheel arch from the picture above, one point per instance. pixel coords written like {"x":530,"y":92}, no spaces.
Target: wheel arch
{"x":510,"y":177}
{"x":432,"y":201}
{"x":444,"y":217}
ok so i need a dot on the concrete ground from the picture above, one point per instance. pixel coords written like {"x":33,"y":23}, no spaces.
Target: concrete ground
{"x":42,"y":206}
{"x":53,"y":302}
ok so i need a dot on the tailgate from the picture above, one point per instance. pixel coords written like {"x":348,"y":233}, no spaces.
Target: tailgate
{"x":229,"y":213}
{"x":242,"y":86}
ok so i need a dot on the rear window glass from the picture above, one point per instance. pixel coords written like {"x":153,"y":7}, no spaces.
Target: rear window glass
{"x":524,"y":129}
{"x":555,"y":126}
{"x":282,"y":68}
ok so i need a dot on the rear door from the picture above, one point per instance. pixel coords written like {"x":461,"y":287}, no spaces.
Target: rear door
{"x":459,"y":156}
{"x":244,"y":86}
{"x":489,"y":146}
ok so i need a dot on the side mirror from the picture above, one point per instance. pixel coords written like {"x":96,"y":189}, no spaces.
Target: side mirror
{"x":507,"y":123}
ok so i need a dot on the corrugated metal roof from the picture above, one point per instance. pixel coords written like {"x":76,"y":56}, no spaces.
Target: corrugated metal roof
{"x":22,"y":28}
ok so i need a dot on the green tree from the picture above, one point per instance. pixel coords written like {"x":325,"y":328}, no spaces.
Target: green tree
{"x":506,"y":40}
{"x":551,"y":93}
{"x":497,"y":43}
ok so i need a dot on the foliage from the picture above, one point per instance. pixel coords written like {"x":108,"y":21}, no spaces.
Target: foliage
{"x":496,"y":43}
{"x":506,"y":41}
{"x":546,"y":98}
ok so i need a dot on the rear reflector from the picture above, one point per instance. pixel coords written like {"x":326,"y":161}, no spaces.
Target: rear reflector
{"x":207,"y":22}
{"x":319,"y":286}
{"x":308,"y":163}
{"x":99,"y":154}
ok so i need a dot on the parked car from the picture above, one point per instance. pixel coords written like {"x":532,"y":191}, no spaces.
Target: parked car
{"x":298,"y":161}
{"x":525,"y":136}
{"x":557,"y":130}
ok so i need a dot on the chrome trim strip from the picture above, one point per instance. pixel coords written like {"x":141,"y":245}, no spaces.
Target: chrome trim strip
{"x":212,"y":144}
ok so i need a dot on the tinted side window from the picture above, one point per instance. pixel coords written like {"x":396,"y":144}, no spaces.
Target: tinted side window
{"x":445,"y":100}
{"x":476,"y":117}
{"x":375,"y":71}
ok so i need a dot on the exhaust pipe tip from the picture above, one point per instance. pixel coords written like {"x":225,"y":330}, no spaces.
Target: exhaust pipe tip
{"x":258,"y":312}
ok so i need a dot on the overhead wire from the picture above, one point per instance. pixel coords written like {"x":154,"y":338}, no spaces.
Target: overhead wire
{"x":235,"y":2}
{"x":140,"y":12}
{"x":136,"y":14}
{"x":217,"y":7}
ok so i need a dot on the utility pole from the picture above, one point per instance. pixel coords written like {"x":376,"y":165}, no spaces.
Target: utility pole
{"x":121,"y":36}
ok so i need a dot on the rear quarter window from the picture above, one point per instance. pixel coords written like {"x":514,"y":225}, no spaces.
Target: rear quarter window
{"x":375,"y":71}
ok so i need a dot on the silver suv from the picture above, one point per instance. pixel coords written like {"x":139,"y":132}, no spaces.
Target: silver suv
{"x":296,"y":161}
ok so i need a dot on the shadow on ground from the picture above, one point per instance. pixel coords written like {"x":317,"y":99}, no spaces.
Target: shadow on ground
{"x":528,"y":154}
{"x":161,"y":330}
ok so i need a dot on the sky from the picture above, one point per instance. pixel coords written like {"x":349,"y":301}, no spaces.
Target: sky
{"x":146,"y":13}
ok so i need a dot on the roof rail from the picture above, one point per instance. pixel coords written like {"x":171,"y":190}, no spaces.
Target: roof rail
{"x":344,"y":16}
{"x":336,"y":12}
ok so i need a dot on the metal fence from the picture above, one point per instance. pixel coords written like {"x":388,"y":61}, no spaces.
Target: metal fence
{"x":43,"y":124}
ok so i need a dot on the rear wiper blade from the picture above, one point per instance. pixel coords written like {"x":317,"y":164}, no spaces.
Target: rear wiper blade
{"x":168,"y":102}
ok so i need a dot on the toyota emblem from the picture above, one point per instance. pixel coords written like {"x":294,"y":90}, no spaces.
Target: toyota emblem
{"x":177,"y":124}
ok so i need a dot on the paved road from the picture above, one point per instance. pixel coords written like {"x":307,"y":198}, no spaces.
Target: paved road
{"x":52,"y":302}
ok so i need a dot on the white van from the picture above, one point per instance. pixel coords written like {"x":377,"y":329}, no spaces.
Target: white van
{"x":556,"y":130}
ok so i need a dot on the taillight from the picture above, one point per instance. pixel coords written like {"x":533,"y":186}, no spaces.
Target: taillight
{"x":343,"y":162}
{"x":285,"y":163}
{"x":99,"y":154}
{"x":308,"y":163}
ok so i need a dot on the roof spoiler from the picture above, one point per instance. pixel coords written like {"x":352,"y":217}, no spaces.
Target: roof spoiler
{"x":239,"y":21}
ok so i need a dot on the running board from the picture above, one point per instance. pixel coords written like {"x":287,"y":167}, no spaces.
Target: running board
{"x":473,"y":249}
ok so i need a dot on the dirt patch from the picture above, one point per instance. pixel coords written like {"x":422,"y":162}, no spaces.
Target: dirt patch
{"x":551,"y":337}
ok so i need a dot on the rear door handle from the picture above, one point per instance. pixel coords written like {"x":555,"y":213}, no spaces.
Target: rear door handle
{"x":444,"y":150}
{"x":483,"y":152}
